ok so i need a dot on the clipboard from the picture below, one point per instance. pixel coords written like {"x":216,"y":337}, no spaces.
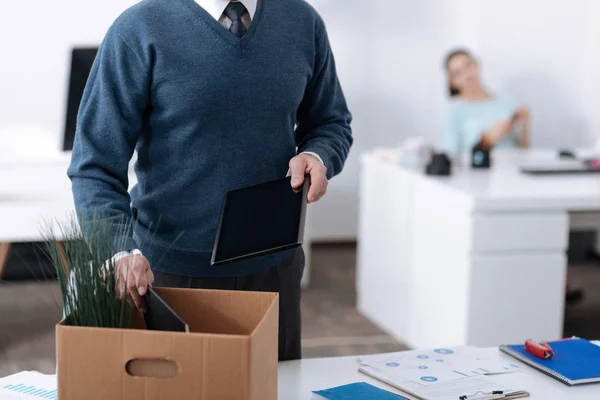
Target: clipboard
{"x":382,"y":377}
{"x":519,"y":396}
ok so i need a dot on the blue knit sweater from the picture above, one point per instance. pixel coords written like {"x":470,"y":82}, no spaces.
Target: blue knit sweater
{"x":207,"y":112}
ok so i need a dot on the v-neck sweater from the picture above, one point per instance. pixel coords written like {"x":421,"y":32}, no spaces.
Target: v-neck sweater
{"x":207,"y":112}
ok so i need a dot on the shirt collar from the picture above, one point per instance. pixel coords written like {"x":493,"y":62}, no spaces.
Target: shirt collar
{"x":216,"y":7}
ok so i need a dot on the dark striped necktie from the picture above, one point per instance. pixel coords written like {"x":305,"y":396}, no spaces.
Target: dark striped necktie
{"x":234,"y":11}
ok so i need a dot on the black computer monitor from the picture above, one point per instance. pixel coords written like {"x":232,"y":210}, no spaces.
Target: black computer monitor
{"x":82,"y":60}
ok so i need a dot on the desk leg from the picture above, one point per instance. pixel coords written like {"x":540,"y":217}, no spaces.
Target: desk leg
{"x":586,"y":221}
{"x":4,"y":250}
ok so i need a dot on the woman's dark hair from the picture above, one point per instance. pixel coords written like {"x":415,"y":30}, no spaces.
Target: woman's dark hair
{"x":458,"y":52}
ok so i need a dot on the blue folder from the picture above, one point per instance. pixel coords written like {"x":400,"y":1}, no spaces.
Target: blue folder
{"x":357,"y":391}
{"x":575,"y":361}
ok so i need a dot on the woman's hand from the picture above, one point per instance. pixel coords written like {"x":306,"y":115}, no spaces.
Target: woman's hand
{"x":499,"y":132}
{"x":522,"y":117}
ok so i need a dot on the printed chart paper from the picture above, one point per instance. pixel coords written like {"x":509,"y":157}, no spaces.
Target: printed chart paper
{"x":431,"y":367}
{"x":28,"y":386}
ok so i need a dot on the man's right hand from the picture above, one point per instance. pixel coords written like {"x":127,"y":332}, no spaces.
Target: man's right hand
{"x":134,"y":276}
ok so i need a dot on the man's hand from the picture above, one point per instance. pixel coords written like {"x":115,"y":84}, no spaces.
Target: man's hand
{"x":304,"y":164}
{"x":134,"y":276}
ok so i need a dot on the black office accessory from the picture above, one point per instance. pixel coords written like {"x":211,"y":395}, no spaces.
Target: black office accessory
{"x":440,"y":165}
{"x":82,"y":60}
{"x":564,"y":153}
{"x":480,"y":156}
{"x":160,"y":316}
{"x":259,"y":220}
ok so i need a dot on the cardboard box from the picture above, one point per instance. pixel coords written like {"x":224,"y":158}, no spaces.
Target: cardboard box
{"x":229,"y":353}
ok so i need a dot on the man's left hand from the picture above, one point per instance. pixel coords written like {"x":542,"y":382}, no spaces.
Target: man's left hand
{"x":304,"y":164}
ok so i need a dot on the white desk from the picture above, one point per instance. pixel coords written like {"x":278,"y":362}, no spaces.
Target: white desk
{"x":34,"y":194}
{"x":476,"y":258}
{"x":297,"y":379}
{"x":31,"y":193}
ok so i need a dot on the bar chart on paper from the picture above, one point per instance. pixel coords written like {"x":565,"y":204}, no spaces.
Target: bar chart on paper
{"x":28,"y":386}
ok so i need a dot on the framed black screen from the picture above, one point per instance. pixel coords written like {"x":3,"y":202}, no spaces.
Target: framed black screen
{"x":260,"y":220}
{"x":82,"y":60}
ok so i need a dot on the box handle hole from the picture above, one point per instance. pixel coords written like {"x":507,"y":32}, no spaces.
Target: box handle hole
{"x":152,"y":368}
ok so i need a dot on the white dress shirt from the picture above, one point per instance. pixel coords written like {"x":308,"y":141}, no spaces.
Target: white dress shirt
{"x":216,"y":9}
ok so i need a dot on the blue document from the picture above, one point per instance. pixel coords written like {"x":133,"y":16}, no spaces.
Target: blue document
{"x":357,"y":391}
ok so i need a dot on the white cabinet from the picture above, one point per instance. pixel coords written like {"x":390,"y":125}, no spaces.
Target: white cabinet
{"x":477,"y":258}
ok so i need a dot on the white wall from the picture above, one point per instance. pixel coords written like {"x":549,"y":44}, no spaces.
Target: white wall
{"x":539,"y":54}
{"x":591,"y":75}
{"x":333,"y":218}
{"x":36,"y":38}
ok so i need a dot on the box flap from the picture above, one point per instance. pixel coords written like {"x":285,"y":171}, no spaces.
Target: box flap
{"x":219,"y":311}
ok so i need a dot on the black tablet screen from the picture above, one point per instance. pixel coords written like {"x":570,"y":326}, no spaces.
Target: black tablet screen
{"x":259,"y":220}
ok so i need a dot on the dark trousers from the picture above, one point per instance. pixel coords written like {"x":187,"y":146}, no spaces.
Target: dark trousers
{"x":283,"y":278}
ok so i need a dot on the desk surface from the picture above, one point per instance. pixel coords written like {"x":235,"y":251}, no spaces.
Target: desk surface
{"x":504,"y":187}
{"x":33,"y":194}
{"x":297,"y":379}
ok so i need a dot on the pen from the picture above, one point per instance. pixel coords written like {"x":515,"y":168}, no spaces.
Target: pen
{"x":542,"y":349}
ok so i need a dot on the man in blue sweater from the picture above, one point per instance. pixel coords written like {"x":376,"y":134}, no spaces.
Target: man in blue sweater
{"x":214,"y":95}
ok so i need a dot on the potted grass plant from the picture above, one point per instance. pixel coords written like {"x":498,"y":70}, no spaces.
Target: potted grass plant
{"x":88,"y":280}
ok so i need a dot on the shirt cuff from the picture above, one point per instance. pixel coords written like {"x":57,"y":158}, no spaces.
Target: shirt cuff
{"x":126,"y":253}
{"x":318,"y":157}
{"x":315,"y":155}
{"x":124,"y":243}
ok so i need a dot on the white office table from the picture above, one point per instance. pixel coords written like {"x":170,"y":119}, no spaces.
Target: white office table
{"x":297,"y":379}
{"x":35,"y":195}
{"x":475,"y":258}
{"x":29,"y":194}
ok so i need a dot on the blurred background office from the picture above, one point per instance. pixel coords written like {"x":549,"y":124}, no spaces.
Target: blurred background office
{"x":389,"y":56}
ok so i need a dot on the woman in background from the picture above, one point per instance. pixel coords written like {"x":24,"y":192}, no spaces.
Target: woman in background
{"x":475,"y":115}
